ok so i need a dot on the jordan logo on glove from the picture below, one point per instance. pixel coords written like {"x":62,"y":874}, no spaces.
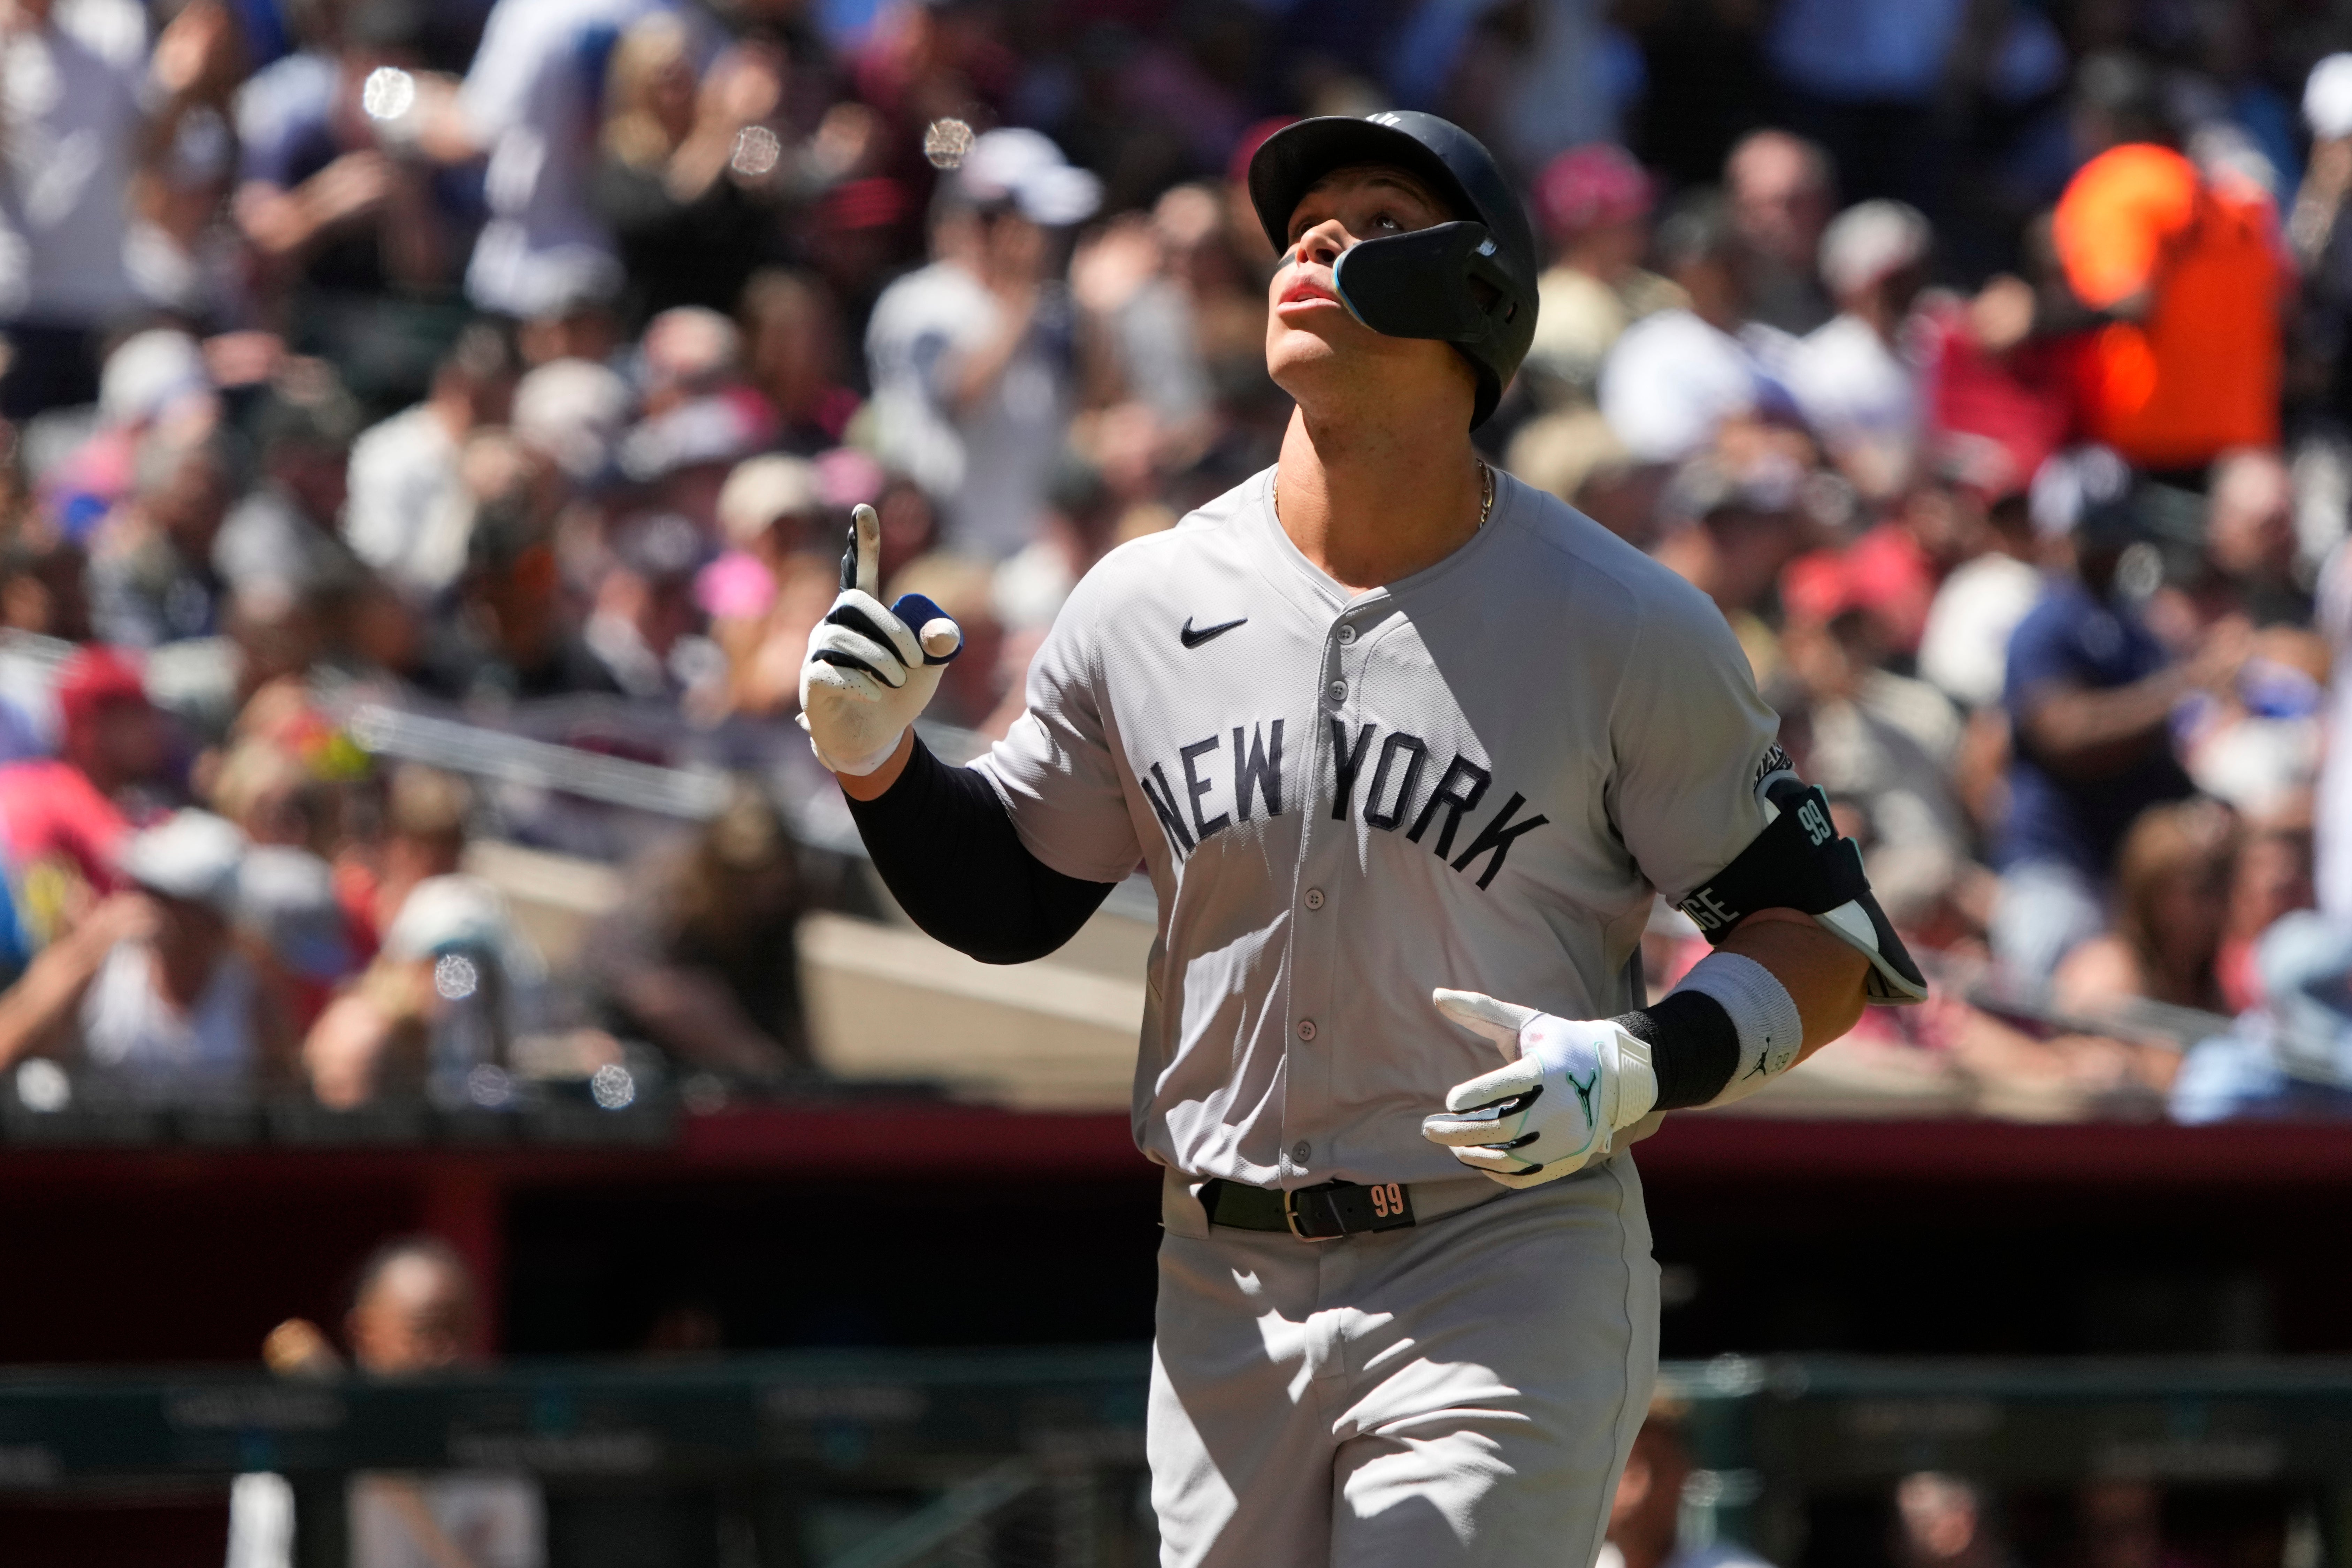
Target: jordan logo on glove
{"x":1569,"y":1085}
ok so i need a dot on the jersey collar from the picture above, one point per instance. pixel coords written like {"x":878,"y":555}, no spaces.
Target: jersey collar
{"x":1308,"y":583}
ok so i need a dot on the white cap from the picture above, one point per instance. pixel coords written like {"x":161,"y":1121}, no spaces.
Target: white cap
{"x":571,"y":409}
{"x":691,"y":346}
{"x":190,"y":855}
{"x":1025,"y":168}
{"x":442,"y":912}
{"x":2327,"y":98}
{"x":764,"y":489}
{"x":147,"y":373}
{"x":1871,"y":239}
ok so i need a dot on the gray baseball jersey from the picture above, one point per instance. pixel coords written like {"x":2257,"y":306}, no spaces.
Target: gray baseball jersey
{"x":1475,"y":777}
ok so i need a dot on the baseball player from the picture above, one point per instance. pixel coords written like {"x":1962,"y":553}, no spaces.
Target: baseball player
{"x":1406,"y":748}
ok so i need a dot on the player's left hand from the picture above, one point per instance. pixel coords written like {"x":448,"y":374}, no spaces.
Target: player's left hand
{"x":1570,"y":1085}
{"x":870,"y":670}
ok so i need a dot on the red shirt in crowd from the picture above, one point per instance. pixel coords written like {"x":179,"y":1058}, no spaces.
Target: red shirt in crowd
{"x":50,"y":811}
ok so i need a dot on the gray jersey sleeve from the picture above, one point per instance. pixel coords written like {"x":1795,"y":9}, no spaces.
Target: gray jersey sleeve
{"x":1057,"y":767}
{"x":1690,"y":734}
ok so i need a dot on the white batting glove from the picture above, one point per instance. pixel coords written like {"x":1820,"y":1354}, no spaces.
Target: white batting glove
{"x":1569,"y":1086}
{"x":870,"y":671}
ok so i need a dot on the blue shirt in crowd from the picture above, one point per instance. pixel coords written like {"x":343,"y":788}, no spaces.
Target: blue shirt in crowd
{"x":2072,"y":639}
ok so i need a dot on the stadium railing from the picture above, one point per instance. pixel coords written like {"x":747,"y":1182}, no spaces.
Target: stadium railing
{"x":1033,"y":1458}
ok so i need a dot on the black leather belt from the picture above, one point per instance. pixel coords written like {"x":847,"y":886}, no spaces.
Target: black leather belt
{"x":1324,"y":1213}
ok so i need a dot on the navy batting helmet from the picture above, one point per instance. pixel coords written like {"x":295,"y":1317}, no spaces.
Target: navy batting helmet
{"x":1471,"y":283}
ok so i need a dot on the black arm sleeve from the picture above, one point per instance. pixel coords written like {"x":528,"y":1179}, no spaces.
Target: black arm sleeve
{"x":947,"y":851}
{"x":1694,"y":1047}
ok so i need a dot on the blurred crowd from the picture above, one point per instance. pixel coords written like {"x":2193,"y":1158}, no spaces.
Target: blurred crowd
{"x":1665,"y":1515}
{"x":516,"y":363}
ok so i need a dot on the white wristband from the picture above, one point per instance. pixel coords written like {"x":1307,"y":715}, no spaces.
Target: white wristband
{"x":1761,"y":1010}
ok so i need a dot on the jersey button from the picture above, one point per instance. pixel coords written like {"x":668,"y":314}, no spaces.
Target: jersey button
{"x":1337,"y":692}
{"x":1300,"y":1150}
{"x":1347,"y":635}
{"x":1314,"y":897}
{"x":1306,"y":1028}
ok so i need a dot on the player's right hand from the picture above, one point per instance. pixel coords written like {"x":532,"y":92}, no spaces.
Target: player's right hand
{"x":1569,"y":1085}
{"x":870,"y":671}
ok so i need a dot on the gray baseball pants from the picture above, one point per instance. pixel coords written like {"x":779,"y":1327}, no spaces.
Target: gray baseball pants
{"x":1464,"y":1392}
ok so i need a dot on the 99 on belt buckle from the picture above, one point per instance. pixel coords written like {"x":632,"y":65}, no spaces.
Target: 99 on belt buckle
{"x":1337,"y":1209}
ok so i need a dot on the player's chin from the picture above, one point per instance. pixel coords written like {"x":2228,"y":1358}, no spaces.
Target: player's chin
{"x":1298,"y":356}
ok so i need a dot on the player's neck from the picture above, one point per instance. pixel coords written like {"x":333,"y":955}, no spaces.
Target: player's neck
{"x":1372,"y":503}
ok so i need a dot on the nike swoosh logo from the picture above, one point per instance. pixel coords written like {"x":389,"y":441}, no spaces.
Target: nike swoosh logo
{"x":1194,"y":639}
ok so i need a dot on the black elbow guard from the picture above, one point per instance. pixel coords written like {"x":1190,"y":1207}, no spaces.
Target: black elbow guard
{"x":1799,"y":862}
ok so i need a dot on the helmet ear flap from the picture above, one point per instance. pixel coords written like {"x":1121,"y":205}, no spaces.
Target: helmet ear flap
{"x":1445,"y":282}
{"x":1425,"y":284}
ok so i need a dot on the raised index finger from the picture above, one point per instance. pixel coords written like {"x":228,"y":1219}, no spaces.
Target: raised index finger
{"x":861,"y":564}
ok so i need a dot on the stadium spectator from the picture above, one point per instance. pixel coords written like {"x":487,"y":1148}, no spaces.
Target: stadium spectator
{"x":1878,"y":741}
{"x":973,"y":358}
{"x":154,"y":577}
{"x":702,"y":964}
{"x":2174,"y":272}
{"x":1729,"y":522}
{"x":299,"y":936}
{"x":283,"y":533}
{"x":685,"y":166}
{"x":70,"y":128}
{"x":641,"y":636}
{"x":403,"y":1020}
{"x":1963,"y":647}
{"x":1119,"y":277}
{"x":1676,"y":375}
{"x":1857,"y":378}
{"x":570,"y":410}
{"x":417,"y":1310}
{"x":1646,"y":1516}
{"x":2090,"y":694}
{"x":1216,"y":265}
{"x":83,"y":463}
{"x":1940,"y":1521}
{"x":771,"y":513}
{"x":793,"y":356}
{"x":527,"y":107}
{"x":2256,"y":744}
{"x":180,"y":245}
{"x":409,"y":514}
{"x":150,"y":990}
{"x":2271,"y":880}
{"x":2250,"y":539}
{"x":1781,"y":189}
{"x":2173,"y":875}
{"x":1594,"y":204}
{"x":342,"y":226}
{"x":65,"y":817}
{"x":2279,"y":1059}
{"x":505,"y":632}
{"x":2319,"y":376}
